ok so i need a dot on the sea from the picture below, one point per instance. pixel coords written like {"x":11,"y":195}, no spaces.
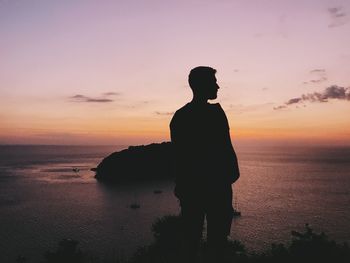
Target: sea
{"x":48,"y":193}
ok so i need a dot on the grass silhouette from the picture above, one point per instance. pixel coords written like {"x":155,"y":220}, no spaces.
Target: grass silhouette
{"x":306,"y":246}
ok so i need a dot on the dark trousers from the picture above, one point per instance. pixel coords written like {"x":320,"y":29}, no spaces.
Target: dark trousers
{"x":214,"y":204}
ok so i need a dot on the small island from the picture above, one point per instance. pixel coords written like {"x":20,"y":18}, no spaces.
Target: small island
{"x":137,"y":163}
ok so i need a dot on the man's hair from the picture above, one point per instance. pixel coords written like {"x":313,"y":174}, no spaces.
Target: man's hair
{"x":199,"y":76}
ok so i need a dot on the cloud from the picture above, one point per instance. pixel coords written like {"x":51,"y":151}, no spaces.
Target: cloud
{"x":322,"y":70}
{"x":166,"y":113}
{"x":292,"y":101}
{"x":138,"y":104}
{"x":318,"y":80}
{"x":319,"y":75}
{"x":280,"y":107}
{"x":98,"y":100}
{"x":332,"y":92}
{"x":102,"y":99}
{"x":338,"y":16}
{"x":336,"y":92}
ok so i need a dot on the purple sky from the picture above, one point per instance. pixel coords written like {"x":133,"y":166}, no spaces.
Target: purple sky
{"x":114,"y":71}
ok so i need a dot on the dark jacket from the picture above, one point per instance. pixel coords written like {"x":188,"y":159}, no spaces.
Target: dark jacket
{"x":204,"y":156}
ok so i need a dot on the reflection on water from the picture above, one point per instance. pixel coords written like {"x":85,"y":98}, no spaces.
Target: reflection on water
{"x":42,"y":199}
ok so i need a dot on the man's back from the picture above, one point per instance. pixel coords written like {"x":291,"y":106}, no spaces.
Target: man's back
{"x":203,"y":151}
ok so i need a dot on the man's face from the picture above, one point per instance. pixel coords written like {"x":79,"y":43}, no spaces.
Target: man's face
{"x":211,"y":88}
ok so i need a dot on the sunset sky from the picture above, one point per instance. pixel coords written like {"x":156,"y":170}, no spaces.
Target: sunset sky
{"x":114,"y":72}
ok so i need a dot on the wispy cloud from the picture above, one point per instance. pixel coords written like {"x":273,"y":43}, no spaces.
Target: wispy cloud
{"x":333,"y":92}
{"x":318,"y":76}
{"x":318,"y":80}
{"x":338,"y":16}
{"x":105,"y":97}
{"x":138,"y":104}
{"x":165,"y":113}
{"x":318,"y":70}
{"x":280,"y":107}
{"x":294,"y":100}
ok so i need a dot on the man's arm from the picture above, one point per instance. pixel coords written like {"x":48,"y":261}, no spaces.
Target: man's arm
{"x":232,"y":161}
{"x":236,"y":173}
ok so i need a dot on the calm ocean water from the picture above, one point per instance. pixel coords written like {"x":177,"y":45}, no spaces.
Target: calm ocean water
{"x":42,"y":200}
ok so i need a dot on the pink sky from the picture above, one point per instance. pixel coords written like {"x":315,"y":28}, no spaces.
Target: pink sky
{"x":128,"y":63}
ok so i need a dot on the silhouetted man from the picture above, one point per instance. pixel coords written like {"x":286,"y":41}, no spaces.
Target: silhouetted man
{"x":206,"y":165}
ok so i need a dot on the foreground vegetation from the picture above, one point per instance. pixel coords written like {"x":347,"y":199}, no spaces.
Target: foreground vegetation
{"x":305,"y":246}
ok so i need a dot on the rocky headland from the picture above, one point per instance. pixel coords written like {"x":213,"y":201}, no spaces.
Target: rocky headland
{"x":137,"y":163}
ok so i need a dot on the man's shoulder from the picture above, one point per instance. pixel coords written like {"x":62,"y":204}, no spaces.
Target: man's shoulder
{"x":190,"y":108}
{"x":180,"y":113}
{"x":184,"y":108}
{"x":183,"y":111}
{"x":219,"y":113}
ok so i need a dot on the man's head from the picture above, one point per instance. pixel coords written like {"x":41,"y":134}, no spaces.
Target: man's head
{"x":202,"y":81}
